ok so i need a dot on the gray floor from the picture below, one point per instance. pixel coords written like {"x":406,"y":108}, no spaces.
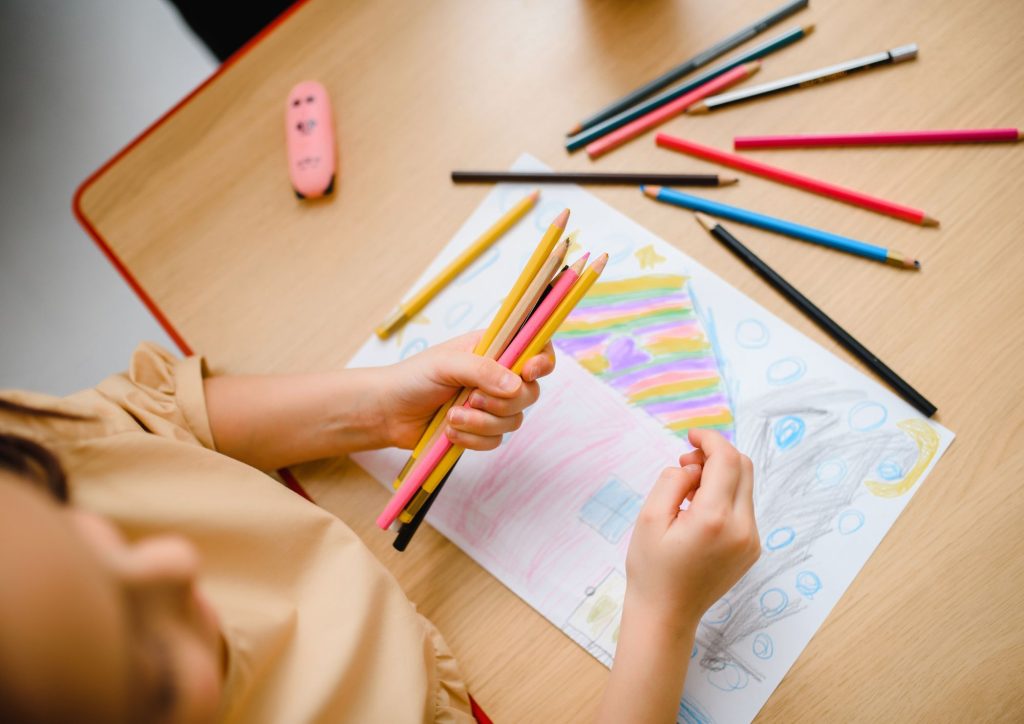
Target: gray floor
{"x":79,"y":81}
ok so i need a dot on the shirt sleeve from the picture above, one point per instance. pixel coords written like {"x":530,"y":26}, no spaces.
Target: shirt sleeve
{"x":163,"y":394}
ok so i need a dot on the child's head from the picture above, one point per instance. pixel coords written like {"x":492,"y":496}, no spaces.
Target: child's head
{"x":93,"y":627}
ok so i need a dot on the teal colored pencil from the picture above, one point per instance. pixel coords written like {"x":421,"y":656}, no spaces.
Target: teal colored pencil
{"x":768,"y":47}
{"x":781,"y":226}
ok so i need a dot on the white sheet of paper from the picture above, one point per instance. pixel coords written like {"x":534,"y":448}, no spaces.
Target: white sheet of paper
{"x":549,"y":513}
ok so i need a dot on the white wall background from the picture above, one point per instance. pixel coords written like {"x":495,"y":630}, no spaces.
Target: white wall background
{"x":79,"y":80}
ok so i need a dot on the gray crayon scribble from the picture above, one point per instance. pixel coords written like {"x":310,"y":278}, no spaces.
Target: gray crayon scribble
{"x":789,"y":434}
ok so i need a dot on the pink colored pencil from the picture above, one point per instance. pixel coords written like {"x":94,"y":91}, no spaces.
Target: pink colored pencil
{"x":881,"y":138}
{"x":907,"y":213}
{"x":670,"y":110}
{"x":425,"y":465}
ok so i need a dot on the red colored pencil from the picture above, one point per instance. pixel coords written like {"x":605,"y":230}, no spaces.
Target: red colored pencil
{"x":880,"y":138}
{"x":806,"y":183}
{"x":670,"y":110}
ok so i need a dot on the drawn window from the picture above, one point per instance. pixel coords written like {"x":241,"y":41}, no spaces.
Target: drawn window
{"x":612,"y":509}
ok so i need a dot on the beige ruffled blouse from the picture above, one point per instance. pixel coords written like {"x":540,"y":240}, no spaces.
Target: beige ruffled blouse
{"x":316,"y":628}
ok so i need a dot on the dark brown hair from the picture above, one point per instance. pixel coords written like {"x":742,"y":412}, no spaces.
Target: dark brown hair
{"x":28,"y":459}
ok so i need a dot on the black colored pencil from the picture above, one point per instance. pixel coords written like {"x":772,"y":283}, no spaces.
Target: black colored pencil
{"x":408,"y":530}
{"x":685,"y":68}
{"x":810,"y":310}
{"x":625,"y":179}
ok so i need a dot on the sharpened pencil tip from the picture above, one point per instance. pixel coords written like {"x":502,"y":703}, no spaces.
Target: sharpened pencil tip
{"x":929,"y":221}
{"x":698,"y":109}
{"x":561,"y":220}
{"x":577,"y":266}
{"x":808,"y":29}
{"x":599,"y":263}
{"x":575,"y":129}
{"x":651,"y":191}
{"x":705,"y":221}
{"x":534,"y":195}
{"x":727,"y":180}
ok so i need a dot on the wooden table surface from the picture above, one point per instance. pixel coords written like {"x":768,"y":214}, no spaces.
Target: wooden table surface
{"x":200,"y":213}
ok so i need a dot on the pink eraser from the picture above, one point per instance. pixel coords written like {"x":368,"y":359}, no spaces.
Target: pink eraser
{"x":309,"y":131}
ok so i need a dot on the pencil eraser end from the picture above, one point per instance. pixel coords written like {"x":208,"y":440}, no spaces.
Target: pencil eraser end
{"x":309,"y":136}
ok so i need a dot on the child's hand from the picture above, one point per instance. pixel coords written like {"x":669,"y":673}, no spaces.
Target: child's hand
{"x":414,"y":388}
{"x":679,"y":563}
{"x":682,"y":561}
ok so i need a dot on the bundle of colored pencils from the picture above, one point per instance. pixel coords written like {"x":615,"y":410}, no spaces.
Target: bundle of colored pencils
{"x":540,"y":300}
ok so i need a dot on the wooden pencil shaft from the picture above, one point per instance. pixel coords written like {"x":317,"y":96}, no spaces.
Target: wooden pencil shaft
{"x":701,"y":59}
{"x":515,"y":320}
{"x":630,"y":179}
{"x":412,"y":306}
{"x":534,"y":263}
{"x":408,"y":530}
{"x":494,"y":340}
{"x":781,"y":175}
{"x":585,"y":137}
{"x":531,"y":297}
{"x":880,"y":138}
{"x":542,"y":337}
{"x":813,"y":77}
{"x":775,"y":224}
{"x":826,"y":323}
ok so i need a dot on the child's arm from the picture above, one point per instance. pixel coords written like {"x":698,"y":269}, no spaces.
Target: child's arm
{"x":679,"y":563}
{"x":273,"y":421}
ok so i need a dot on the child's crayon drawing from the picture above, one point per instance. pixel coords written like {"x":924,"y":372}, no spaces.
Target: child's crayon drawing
{"x":643,"y":337}
{"x":661,"y":345}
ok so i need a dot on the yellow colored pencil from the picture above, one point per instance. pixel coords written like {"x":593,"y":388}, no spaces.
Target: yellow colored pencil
{"x":533,"y":266}
{"x":545,"y":277}
{"x":490,"y":343}
{"x":579,"y":289}
{"x":522,"y":310}
{"x":543,"y":336}
{"x":410,"y":308}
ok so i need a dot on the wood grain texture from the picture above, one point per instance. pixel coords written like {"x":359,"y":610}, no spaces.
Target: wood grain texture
{"x":201,"y":212}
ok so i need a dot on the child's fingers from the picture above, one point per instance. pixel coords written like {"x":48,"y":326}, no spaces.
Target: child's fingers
{"x":669,"y":491}
{"x":745,"y":489}
{"x":470,"y":441}
{"x":504,"y":407}
{"x":478,"y":422}
{"x":464,"y":369}
{"x":721,"y":469}
{"x":694,"y":457}
{"x":541,"y":365}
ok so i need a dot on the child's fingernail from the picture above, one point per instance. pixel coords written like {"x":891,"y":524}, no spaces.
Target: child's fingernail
{"x":475,"y":400}
{"x":457,"y":416}
{"x":692,"y":469}
{"x":509,"y":382}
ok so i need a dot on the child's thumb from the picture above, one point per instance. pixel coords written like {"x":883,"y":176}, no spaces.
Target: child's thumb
{"x":669,"y":492}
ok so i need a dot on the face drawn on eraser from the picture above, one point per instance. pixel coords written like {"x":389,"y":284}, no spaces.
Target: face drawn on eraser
{"x":309,"y":133}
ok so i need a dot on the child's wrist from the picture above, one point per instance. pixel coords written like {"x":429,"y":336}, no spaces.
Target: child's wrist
{"x":668,"y":622}
{"x":357,"y":415}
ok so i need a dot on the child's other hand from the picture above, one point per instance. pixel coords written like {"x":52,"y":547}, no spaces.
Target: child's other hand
{"x":414,"y":388}
{"x":682,"y":561}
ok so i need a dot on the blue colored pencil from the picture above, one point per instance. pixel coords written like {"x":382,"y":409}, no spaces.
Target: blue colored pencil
{"x":781,"y":226}
{"x":603,"y":128}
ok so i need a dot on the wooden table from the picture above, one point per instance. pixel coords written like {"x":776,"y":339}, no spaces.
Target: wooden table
{"x":199,"y":214}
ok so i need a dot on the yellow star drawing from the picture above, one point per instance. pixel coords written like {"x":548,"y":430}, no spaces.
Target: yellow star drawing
{"x":648,"y":257}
